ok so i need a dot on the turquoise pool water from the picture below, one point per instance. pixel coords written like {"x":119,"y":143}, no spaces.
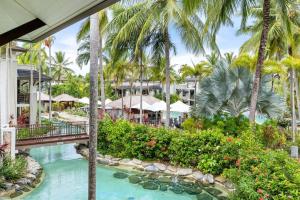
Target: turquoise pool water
{"x":66,"y":179}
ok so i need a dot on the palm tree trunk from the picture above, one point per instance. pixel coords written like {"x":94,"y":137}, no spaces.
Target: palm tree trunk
{"x":260,"y":60}
{"x":141,"y":86}
{"x":94,"y":44}
{"x":297,"y":93}
{"x":40,"y":85}
{"x":122,"y":94}
{"x":293,"y":102}
{"x":167,"y":52}
{"x":195,"y":94}
{"x":102,"y":84}
{"x":50,"y":82}
{"x":130,"y":100}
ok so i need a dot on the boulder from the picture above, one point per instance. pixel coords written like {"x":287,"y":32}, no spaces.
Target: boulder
{"x":163,"y":187}
{"x":193,"y":190}
{"x":103,"y":161}
{"x":150,"y":185}
{"x":197,"y":175}
{"x":177,"y":189}
{"x":208,"y":178}
{"x":204,"y":196}
{"x":151,"y":168}
{"x":120,"y":175}
{"x":171,"y":169}
{"x":214,"y":191}
{"x":165,"y":179}
{"x":16,"y":194}
{"x":220,"y":179}
{"x":31,"y":177}
{"x":222,"y":198}
{"x":160,"y":166}
{"x":136,"y":161}
{"x":134,"y":179}
{"x":184,"y":171}
{"x":8,"y":186}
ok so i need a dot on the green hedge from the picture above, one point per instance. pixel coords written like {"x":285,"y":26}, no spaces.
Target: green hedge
{"x":254,"y":161}
{"x":209,"y":150}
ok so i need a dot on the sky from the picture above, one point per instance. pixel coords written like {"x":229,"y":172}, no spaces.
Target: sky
{"x":227,"y":40}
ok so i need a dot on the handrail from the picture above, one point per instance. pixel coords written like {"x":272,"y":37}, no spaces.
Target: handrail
{"x":39,"y":132}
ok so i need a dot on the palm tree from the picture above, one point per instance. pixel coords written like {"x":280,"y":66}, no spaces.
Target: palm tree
{"x":94,"y":47}
{"x":83,"y":58}
{"x":283,"y":37}
{"x":151,"y":21}
{"x":48,"y":42}
{"x":220,"y":12}
{"x":61,"y":64}
{"x":198,"y":71}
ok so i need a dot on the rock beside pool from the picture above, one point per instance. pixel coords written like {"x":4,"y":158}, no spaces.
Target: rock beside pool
{"x":160,"y":166}
{"x":157,"y":167}
{"x":204,"y":196}
{"x":214,"y":191}
{"x":24,"y":184}
{"x":149,"y":185}
{"x":163,"y":187}
{"x":177,"y":189}
{"x":184,"y":171}
{"x":120,"y":175}
{"x":134,"y":179}
{"x":192,"y":190}
{"x":165,"y":179}
{"x":151,"y":168}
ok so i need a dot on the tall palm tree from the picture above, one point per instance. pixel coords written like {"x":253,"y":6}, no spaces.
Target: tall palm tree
{"x":198,"y":71}
{"x":48,"y":43}
{"x":82,"y":38}
{"x":93,"y":118}
{"x":60,"y":66}
{"x":220,"y":13}
{"x":151,"y":21}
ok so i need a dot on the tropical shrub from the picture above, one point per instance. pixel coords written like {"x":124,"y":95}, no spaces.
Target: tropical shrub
{"x":207,"y":150}
{"x":13,"y":169}
{"x":228,"y":125}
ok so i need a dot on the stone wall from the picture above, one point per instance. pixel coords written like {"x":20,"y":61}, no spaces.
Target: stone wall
{"x":156,"y":167}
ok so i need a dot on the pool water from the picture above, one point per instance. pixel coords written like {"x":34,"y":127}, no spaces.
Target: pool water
{"x":66,"y":178}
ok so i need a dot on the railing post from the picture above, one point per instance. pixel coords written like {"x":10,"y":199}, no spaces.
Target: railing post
{"x":8,"y":136}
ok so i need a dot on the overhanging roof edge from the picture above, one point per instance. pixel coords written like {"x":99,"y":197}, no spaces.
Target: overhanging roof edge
{"x":102,"y":5}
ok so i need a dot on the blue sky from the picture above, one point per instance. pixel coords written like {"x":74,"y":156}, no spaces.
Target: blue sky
{"x":227,"y":40}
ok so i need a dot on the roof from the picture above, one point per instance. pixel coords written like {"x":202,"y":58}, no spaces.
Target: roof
{"x":65,"y":98}
{"x":117,"y":104}
{"x":34,"y":20}
{"x":25,"y":74}
{"x":137,"y":84}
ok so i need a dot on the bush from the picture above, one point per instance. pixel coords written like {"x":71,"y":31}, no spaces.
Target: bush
{"x":230,"y":126}
{"x":264,"y":174}
{"x":208,"y":150}
{"x":12,"y":170}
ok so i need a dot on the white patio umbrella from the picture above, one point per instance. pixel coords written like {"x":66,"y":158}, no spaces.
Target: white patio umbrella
{"x":180,"y":107}
{"x":159,"y":106}
{"x":145,"y":106}
{"x":84,"y":100}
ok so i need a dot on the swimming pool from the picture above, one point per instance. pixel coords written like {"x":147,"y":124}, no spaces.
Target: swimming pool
{"x":66,"y":178}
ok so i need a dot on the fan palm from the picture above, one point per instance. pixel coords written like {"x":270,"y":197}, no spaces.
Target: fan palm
{"x":61,"y":64}
{"x":220,"y":12}
{"x":151,"y":21}
{"x":228,"y":89}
